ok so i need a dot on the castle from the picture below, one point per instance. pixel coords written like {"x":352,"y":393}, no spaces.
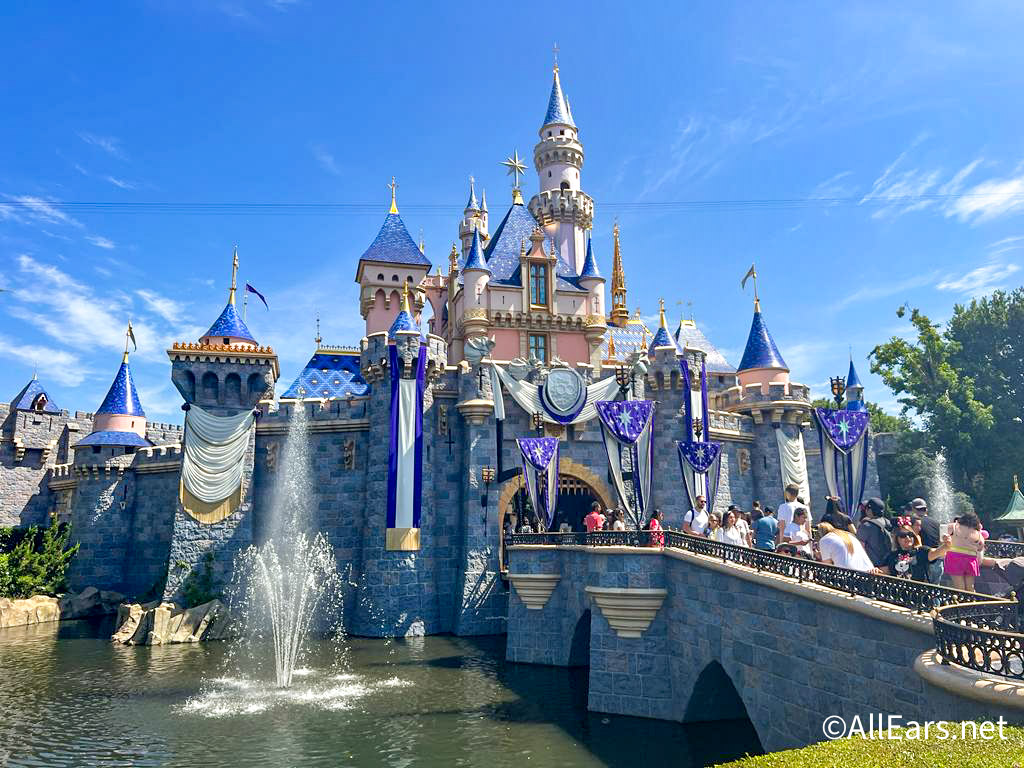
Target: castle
{"x":528,"y":296}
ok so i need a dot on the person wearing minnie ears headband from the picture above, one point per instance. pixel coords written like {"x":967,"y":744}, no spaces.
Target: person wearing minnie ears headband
{"x":910,"y":559}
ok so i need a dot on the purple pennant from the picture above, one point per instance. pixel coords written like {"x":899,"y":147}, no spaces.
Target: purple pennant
{"x":626,"y":419}
{"x":844,"y":428}
{"x":538,"y":450}
{"x":699,"y":455}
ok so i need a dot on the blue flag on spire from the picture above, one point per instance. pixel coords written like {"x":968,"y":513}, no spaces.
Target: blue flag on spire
{"x":250,"y":289}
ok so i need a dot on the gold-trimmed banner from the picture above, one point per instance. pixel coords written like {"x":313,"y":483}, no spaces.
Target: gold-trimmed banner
{"x":402,"y":540}
{"x":207,"y":512}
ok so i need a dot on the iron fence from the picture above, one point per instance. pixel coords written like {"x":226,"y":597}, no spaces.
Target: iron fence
{"x":983,"y":636}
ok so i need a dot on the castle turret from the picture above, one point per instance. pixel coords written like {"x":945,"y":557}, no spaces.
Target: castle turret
{"x":392,"y":260}
{"x":619,"y":315}
{"x":854,"y":391}
{"x":762,"y":362}
{"x":474,"y":218}
{"x":662,"y":339}
{"x":561,"y":207}
{"x":475,"y":276}
{"x":229,"y":329}
{"x":119,"y":420}
{"x":592,"y":281}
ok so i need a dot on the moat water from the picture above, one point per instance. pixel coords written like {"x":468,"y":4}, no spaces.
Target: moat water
{"x":70,"y":697}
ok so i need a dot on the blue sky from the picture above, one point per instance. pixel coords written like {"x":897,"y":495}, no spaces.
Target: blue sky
{"x":885,"y":137}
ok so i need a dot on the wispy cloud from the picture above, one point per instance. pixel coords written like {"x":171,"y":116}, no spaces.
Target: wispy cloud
{"x":57,"y":364}
{"x":885,"y":288}
{"x":979,"y":281}
{"x":170,"y":310}
{"x":101,"y":242}
{"x":39,"y":209}
{"x":835,"y":187}
{"x":325,"y":158}
{"x":109,"y":144}
{"x":121,"y":183}
{"x":990,"y":199}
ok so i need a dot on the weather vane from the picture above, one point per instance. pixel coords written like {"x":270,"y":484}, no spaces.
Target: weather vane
{"x":515,"y":166}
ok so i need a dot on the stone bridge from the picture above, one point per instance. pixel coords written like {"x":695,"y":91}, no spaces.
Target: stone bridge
{"x":675,"y":635}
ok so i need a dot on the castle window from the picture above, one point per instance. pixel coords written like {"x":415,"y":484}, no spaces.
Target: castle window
{"x":394,"y":278}
{"x":549,"y":133}
{"x":539,"y":285}
{"x":227,"y":340}
{"x":565,"y":186}
{"x":562,"y":132}
{"x":549,"y":174}
{"x":538,"y":345}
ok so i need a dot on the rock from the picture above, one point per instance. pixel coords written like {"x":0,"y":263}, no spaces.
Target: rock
{"x":31,"y":610}
{"x":159,"y":623}
{"x":42,"y":608}
{"x":90,"y":602}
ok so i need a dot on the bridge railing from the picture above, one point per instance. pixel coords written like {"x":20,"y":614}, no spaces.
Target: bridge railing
{"x":915,"y":595}
{"x":983,"y":636}
{"x":971,"y":630}
{"x":1000,"y":549}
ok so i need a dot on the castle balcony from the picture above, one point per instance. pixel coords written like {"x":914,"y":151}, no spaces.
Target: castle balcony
{"x":775,"y":403}
{"x":554,"y":205}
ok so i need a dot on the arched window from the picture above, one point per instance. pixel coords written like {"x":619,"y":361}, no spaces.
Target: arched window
{"x":40,"y":402}
{"x":190,"y":386}
{"x":210,"y":386}
{"x":394,"y":278}
{"x":539,"y":284}
{"x":380,"y":275}
{"x":565,"y":186}
{"x":256,"y":385}
{"x":233,"y":389}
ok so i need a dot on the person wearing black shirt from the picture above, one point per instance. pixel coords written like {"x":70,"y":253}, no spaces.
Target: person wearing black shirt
{"x":930,"y":531}
{"x":911,"y":559}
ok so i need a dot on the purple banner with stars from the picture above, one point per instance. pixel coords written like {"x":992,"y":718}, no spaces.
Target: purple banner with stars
{"x":700,"y":456}
{"x":625,"y":419}
{"x":843,"y":428}
{"x":540,"y":468}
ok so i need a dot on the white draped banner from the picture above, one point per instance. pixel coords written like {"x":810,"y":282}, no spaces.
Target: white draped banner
{"x":213,"y":457}
{"x":528,"y":396}
{"x":793,"y":460}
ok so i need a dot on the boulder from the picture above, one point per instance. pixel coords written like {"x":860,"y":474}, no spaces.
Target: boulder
{"x":42,"y":608}
{"x":160,"y":623}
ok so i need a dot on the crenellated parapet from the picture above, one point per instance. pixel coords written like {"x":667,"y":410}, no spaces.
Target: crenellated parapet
{"x":773,"y":403}
{"x":564,"y":206}
{"x":221,"y":376}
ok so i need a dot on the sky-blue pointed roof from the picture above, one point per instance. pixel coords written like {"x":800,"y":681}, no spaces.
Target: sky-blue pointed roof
{"x":25,"y":400}
{"x":761,"y":351}
{"x":230,"y":323}
{"x":689,"y":335}
{"x":558,"y":108}
{"x":122,"y":399}
{"x":661,"y":339}
{"x":111,"y":437}
{"x":394,"y":245}
{"x":329,"y":375}
{"x":590,"y":263}
{"x":475,"y":260}
{"x":852,"y":379}
{"x":403,"y":322}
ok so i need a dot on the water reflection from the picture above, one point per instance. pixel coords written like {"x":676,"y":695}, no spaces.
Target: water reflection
{"x":69,"y":697}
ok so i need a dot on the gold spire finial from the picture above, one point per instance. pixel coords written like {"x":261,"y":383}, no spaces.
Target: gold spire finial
{"x":1016,"y":486}
{"x":620,"y":312}
{"x":393,"y":186}
{"x":129,"y":335}
{"x":318,"y":340}
{"x":421,"y":240}
{"x":611,"y":347}
{"x":661,"y":310}
{"x":234,"y":277}
{"x":405,"y":298}
{"x":554,"y":49}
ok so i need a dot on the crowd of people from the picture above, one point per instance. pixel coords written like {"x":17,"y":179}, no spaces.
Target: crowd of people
{"x":910,"y":545}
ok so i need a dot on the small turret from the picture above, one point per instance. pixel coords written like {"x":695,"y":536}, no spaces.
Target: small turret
{"x":120,"y":419}
{"x":229,"y":329}
{"x":404,"y":321}
{"x":662,"y":339}
{"x":854,"y":391}
{"x":762,"y":362}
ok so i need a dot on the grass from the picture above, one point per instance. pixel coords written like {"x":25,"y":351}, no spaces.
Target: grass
{"x":877,"y":753}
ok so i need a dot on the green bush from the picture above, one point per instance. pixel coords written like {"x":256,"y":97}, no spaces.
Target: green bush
{"x":879,"y":753}
{"x":200,"y":588}
{"x":35,"y":562}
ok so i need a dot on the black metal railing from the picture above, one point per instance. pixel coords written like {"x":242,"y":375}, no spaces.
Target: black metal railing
{"x":971,"y":630}
{"x":1001,"y":549}
{"x":984,"y":636}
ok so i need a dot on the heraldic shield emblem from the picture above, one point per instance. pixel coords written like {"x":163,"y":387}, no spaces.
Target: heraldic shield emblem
{"x":563,"y":393}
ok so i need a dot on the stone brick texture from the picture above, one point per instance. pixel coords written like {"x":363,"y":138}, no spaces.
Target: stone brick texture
{"x":793,"y":661}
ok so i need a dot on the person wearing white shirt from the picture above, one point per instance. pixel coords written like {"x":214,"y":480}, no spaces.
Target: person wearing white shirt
{"x":797,"y":532}
{"x":784,"y":514}
{"x":843,"y":549}
{"x":696,"y":520}
{"x":729,"y":532}
{"x":742,"y":524}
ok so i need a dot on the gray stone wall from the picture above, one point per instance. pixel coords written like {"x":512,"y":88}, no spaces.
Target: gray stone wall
{"x":791,"y":661}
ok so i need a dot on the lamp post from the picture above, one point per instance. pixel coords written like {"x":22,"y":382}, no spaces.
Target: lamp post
{"x":538,"y":422}
{"x":487,"y":475}
{"x":698,"y":427}
{"x":838,"y":389}
{"x":624,"y":378}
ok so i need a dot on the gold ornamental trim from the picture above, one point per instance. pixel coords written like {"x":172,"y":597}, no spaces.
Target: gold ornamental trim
{"x":402,"y":540}
{"x":209,"y":512}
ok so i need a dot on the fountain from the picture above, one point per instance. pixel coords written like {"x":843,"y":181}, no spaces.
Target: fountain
{"x":286,"y":581}
{"x":941,"y":496}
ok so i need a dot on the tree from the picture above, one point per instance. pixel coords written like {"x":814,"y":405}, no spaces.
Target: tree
{"x":965,"y":383}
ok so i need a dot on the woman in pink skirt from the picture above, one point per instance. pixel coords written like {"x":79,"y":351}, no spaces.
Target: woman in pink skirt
{"x":962,"y":563}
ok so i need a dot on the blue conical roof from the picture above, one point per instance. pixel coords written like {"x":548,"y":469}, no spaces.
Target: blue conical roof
{"x":394,"y":245}
{"x":558,"y":107}
{"x":29,"y":395}
{"x":761,"y":351}
{"x":403,"y":322}
{"x":122,"y":399}
{"x":475,"y":259}
{"x":590,"y":263}
{"x":852,"y":379}
{"x":471,"y":204}
{"x":230,"y":324}
{"x":661,"y":339}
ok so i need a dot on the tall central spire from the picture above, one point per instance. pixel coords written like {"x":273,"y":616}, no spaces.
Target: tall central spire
{"x":234,"y":278}
{"x":620,"y":312}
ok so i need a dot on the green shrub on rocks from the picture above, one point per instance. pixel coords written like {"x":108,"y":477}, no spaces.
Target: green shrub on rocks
{"x":201,"y":587}
{"x":875,"y":752}
{"x":34,"y":562}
